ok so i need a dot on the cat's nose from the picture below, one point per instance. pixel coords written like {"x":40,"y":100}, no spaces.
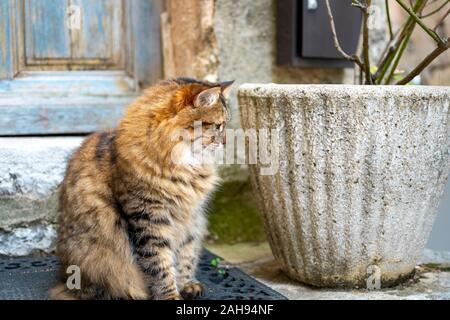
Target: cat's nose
{"x":219,"y":126}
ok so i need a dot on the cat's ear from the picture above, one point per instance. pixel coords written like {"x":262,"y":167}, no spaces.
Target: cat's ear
{"x":226,"y":88}
{"x":208,"y":97}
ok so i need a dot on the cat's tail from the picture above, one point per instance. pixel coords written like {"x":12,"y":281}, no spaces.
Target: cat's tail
{"x":61,"y":292}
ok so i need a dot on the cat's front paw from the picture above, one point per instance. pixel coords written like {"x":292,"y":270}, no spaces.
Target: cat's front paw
{"x":192,"y":290}
{"x":170,"y":296}
{"x":175,"y":296}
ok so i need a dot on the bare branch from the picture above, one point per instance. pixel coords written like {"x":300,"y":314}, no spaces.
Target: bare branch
{"x":337,"y":45}
{"x":413,"y":15}
{"x":441,"y":20}
{"x":388,"y":14}
{"x":426,"y":15}
{"x":428,"y":59}
{"x":404,"y":32}
{"x":365,"y":44}
{"x":390,"y":46}
{"x":399,"y":54}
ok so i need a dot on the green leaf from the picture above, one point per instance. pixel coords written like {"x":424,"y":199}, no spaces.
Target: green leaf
{"x":223,"y":273}
{"x":215,"y":262}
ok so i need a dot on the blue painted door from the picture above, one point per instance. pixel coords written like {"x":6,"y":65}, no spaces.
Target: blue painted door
{"x":71,"y":66}
{"x":75,"y":34}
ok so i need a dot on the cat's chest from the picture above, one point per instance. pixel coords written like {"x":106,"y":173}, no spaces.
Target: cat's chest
{"x":185,"y":192}
{"x":192,"y":195}
{"x":195,"y":183}
{"x":190,"y":224}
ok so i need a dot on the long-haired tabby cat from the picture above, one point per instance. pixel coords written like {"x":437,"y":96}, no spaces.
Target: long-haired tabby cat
{"x":132,"y":199}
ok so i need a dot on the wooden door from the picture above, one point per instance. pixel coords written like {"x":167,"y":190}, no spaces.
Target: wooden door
{"x":70,"y":66}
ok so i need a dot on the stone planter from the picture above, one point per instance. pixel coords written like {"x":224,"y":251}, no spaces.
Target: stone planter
{"x":361,"y":173}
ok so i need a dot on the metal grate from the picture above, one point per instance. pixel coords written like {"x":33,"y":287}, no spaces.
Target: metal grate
{"x":31,"y":278}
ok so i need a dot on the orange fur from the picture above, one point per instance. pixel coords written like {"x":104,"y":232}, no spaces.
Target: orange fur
{"x":131,"y":217}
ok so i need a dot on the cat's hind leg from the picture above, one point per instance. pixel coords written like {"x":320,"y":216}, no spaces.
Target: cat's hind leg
{"x":102,"y":251}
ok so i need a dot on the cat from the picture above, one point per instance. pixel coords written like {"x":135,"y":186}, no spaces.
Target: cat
{"x":132,"y":200}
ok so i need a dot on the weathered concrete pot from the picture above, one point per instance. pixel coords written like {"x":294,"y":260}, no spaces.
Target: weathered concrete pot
{"x":361,"y":172}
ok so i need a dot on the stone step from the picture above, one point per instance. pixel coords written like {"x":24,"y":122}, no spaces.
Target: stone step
{"x":31,"y":170}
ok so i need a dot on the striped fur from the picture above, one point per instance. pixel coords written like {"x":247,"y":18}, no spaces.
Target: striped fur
{"x":131,"y":217}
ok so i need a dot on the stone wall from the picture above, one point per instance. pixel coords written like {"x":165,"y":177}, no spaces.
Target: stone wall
{"x":30,"y":172}
{"x":246,"y":37}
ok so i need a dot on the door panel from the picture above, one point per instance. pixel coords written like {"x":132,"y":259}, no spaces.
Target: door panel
{"x":100,"y":32}
{"x":57,"y":79}
{"x":54,"y":44}
{"x":45,"y":33}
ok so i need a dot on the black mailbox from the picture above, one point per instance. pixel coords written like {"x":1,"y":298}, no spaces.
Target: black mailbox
{"x":304,"y":37}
